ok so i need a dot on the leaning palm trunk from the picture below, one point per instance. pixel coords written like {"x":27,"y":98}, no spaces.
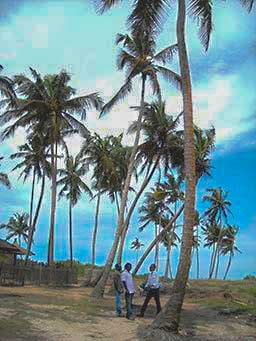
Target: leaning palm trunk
{"x":157,"y":239}
{"x":131,"y":209}
{"x":156,"y":247}
{"x":228,"y":266}
{"x":169,"y":318}
{"x":99,"y":288}
{"x":31,"y":203}
{"x":33,"y":227}
{"x":70,"y":234}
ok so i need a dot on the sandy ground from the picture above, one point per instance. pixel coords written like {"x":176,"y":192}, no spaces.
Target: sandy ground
{"x":33,"y":313}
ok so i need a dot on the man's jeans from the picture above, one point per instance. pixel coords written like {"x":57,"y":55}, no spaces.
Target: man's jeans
{"x":118,"y":303}
{"x":128,"y":301}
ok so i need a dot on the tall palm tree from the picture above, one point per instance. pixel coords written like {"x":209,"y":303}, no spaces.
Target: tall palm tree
{"x":161,"y":146}
{"x":108,"y":158}
{"x":49,"y":101}
{"x":4,"y":179}
{"x":217,"y":212}
{"x":34,"y":154}
{"x":72,"y":188}
{"x":136,"y":245}
{"x":228,"y":245}
{"x":138,"y":58}
{"x":17,"y":226}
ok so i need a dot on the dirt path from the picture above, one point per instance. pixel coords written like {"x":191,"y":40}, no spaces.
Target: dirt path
{"x":32,"y":313}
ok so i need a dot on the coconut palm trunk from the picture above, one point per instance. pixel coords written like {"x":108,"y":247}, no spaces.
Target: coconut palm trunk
{"x":32,"y":202}
{"x":94,"y":238}
{"x":33,"y":227}
{"x":54,"y":149}
{"x":70,"y":234}
{"x":169,"y":318}
{"x":157,"y":239}
{"x":168,"y":264}
{"x":228,"y":266}
{"x":131,"y":210}
{"x":99,"y":288}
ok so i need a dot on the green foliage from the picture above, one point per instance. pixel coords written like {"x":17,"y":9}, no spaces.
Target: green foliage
{"x":250,"y":277}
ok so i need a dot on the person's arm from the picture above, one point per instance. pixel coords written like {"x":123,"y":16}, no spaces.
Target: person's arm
{"x":147,"y":282}
{"x":119,"y":285}
{"x":123,"y":279}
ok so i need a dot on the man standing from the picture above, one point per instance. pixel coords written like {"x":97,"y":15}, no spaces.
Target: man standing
{"x":118,"y":289}
{"x":152,"y":286}
{"x":129,"y":287}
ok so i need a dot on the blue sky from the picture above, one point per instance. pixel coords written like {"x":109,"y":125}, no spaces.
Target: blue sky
{"x":51,"y":35}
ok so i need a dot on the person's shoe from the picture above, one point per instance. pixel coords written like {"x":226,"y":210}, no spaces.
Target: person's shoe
{"x":140,"y":315}
{"x":119,"y":315}
{"x":132,"y":318}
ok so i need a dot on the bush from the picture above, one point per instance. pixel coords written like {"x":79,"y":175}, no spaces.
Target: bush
{"x":250,"y":277}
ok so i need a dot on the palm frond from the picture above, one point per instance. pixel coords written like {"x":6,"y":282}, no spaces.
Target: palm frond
{"x":167,"y":54}
{"x":201,"y":10}
{"x":170,"y":76}
{"x":119,"y":96}
{"x":104,"y":5}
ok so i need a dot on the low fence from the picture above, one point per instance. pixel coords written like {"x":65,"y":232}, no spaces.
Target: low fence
{"x":37,"y":275}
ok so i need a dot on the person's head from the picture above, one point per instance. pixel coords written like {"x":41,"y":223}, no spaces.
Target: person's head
{"x":152,"y":267}
{"x":118,"y":267}
{"x":128,"y":266}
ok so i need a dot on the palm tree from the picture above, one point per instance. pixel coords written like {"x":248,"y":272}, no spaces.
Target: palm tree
{"x":49,"y":101}
{"x":228,"y":245}
{"x":4,"y":179}
{"x":217,"y":212}
{"x":72,"y":188}
{"x":17,"y":226}
{"x":161,"y":146}
{"x":34,"y":154}
{"x":108,"y":159}
{"x":136,"y":245}
{"x":138,"y":57}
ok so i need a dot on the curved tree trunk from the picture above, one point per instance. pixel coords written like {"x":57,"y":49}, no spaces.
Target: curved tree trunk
{"x":228,"y":266}
{"x":159,"y":237}
{"x":217,"y":265}
{"x":131,"y":209}
{"x":35,"y":219}
{"x":31,"y":203}
{"x":70,"y":234}
{"x":211,"y":262}
{"x":99,"y":288}
{"x":168,"y":319}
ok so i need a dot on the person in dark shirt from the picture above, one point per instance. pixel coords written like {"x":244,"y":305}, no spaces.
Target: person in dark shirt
{"x":118,"y":289}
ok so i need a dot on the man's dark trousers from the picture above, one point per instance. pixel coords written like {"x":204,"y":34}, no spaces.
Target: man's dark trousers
{"x":151,"y":293}
{"x":128,"y":301}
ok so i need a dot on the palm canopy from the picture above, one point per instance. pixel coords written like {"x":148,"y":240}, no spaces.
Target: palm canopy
{"x":34,"y":158}
{"x":6,"y":86}
{"x":108,"y":157}
{"x":228,"y":241}
{"x":4,"y":179}
{"x":219,"y":205}
{"x":71,"y":179}
{"x":138,"y":57}
{"x":17,"y":226}
{"x":45,"y":99}
{"x":136,"y":244}
{"x":150,"y":14}
{"x":204,"y":145}
{"x":160,"y":137}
